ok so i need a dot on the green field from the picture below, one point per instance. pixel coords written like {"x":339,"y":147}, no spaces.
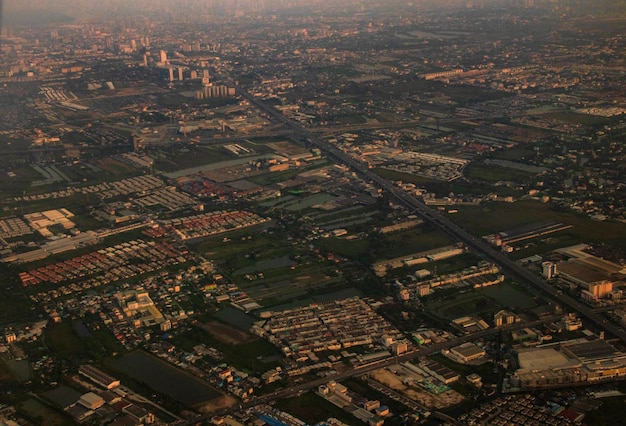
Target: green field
{"x":493,"y":174}
{"x":41,"y":414}
{"x":275,"y":177}
{"x":442,"y":188}
{"x":15,"y":307}
{"x":576,"y":118}
{"x":6,"y":374}
{"x":610,"y":412}
{"x":165,"y":378}
{"x":244,"y":356}
{"x":411,"y":241}
{"x":63,"y":340}
{"x":352,"y":249}
{"x":69,"y":203}
{"x":243,"y":248}
{"x":516,"y":153}
{"x":545,"y":244}
{"x":509,"y":296}
{"x":496,"y":217}
{"x":470,"y":303}
{"x":312,"y":408}
{"x":194,"y":156}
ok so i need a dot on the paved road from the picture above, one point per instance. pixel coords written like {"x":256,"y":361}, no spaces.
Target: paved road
{"x":359,"y":371}
{"x":442,"y":222}
{"x":434,"y":217}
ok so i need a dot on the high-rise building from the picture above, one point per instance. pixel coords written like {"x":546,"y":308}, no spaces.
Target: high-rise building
{"x":548,"y":270}
{"x":180,"y":73}
{"x":600,"y":289}
{"x":163,"y":56}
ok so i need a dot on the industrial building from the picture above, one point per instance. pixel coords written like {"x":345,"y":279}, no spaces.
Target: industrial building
{"x":548,"y":270}
{"x":99,"y":377}
{"x":91,"y":401}
{"x":439,"y":372}
{"x":561,"y":364}
{"x":467,"y":352}
{"x":503,"y":317}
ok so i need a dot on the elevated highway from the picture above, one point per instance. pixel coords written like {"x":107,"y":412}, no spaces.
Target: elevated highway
{"x":436,"y":218}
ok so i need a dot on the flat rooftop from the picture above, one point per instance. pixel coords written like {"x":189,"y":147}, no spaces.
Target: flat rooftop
{"x":580,"y":271}
{"x":544,"y":359}
{"x":468,"y":350}
{"x":593,"y":350}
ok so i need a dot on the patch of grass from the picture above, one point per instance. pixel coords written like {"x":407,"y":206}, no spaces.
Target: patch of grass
{"x":312,"y":408}
{"x":62,"y":339}
{"x":516,"y":153}
{"x":492,"y":174}
{"x":41,"y":414}
{"x":467,"y":304}
{"x":496,"y":217}
{"x":32,"y":206}
{"x":411,"y":241}
{"x":116,"y":168}
{"x":275,"y":177}
{"x":576,"y":118}
{"x":14,"y":305}
{"x":245,"y":356}
{"x":610,"y":413}
{"x":85,"y":222}
{"x":259,"y":246}
{"x":6,"y":376}
{"x":192,"y":157}
{"x":544,"y":245}
{"x":352,"y":249}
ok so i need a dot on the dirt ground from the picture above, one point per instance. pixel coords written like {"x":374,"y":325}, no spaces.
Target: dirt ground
{"x":113,"y":166}
{"x":225,"y":401}
{"x":423,"y":397}
{"x":227,"y":334}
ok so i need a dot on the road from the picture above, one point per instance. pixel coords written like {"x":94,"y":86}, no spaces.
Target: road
{"x":358,"y":371}
{"x":436,"y":218}
{"x":361,"y":370}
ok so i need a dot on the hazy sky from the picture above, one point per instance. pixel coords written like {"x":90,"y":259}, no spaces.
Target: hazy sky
{"x":17,"y":12}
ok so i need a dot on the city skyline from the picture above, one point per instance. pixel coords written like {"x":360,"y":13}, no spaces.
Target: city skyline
{"x":291,"y":213}
{"x":23,"y":10}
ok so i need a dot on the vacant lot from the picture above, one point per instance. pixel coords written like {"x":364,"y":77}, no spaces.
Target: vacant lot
{"x":165,"y":378}
{"x":41,"y":414}
{"x":509,"y":296}
{"x":313,"y":409}
{"x":423,"y":397}
{"x":227,"y":334}
{"x":496,"y":217}
{"x":470,"y":303}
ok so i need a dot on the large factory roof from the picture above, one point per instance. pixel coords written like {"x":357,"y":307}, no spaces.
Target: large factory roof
{"x":544,"y":359}
{"x":594,"y":350}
